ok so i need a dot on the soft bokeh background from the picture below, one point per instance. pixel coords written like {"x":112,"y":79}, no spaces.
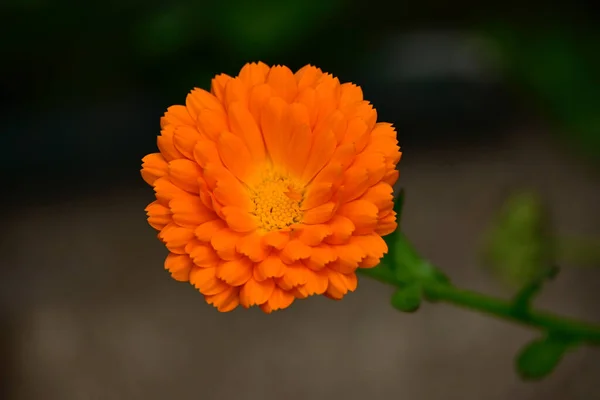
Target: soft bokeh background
{"x":486,"y":101}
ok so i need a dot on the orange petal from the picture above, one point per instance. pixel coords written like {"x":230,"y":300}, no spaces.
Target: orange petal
{"x":308,"y":98}
{"x":320,"y":214}
{"x":166,"y":191}
{"x":236,"y":90}
{"x":384,"y":129}
{"x":215,"y":205}
{"x":375,"y":165}
{"x":175,"y":237}
{"x":362,"y":213}
{"x":176,"y":115}
{"x":391,"y":177}
{"x":189,"y":211}
{"x":253,"y":247}
{"x":279,"y":299}
{"x":321,"y":256}
{"x":206,"y":230}
{"x":342,"y":229}
{"x":205,"y":194}
{"x":308,"y":76}
{"x":383,"y":140}
{"x":344,"y":155}
{"x":185,"y":138}
{"x":165,"y":144}
{"x":229,"y":191}
{"x":244,"y":125}
{"x":235,"y":155}
{"x":270,"y":267}
{"x":294,"y":250}
{"x":322,"y":149}
{"x":218,"y":84}
{"x":381,"y":195}
{"x":218,"y":207}
{"x":276,"y":239}
{"x":202,"y":254}
{"x":364,"y":110}
{"x":297,"y":148}
{"x":211,"y":123}
{"x":387,"y":224}
{"x":154,"y":166}
{"x":179,"y":265}
{"x":332,"y":173}
{"x":259,"y":96}
{"x":225,"y":301}
{"x":328,"y":95}
{"x":224,"y":242}
{"x":317,"y":193}
{"x":295,"y":275}
{"x":313,"y":235}
{"x":253,"y":74}
{"x":235,"y":272}
{"x":158,"y":215}
{"x":206,"y":153}
{"x":350,"y":95}
{"x":256,"y":292}
{"x":206,"y":281}
{"x":349,"y":255}
{"x":338,"y":124}
{"x":281,"y":79}
{"x":214,"y":173}
{"x":184,"y":174}
{"x":199,"y":100}
{"x":276,"y":127}
{"x":299,"y":114}
{"x":340,"y":284}
{"x":356,"y":182}
{"x":239,"y":220}
{"x":369,"y":262}
{"x":357,"y":133}
{"x":316,"y":283}
{"x":373,"y":245}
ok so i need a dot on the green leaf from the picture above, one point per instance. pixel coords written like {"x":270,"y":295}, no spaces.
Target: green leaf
{"x":540,"y":357}
{"x":408,"y":298}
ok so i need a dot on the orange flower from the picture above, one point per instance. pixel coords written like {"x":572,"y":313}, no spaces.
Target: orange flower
{"x":274,"y":186}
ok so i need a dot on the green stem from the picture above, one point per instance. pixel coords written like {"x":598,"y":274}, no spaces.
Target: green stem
{"x":503,"y":309}
{"x":436,"y":290}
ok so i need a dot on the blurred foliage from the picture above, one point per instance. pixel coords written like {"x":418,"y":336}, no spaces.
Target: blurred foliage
{"x":560,"y":64}
{"x":102,"y":49}
{"x":408,"y":298}
{"x":521,"y":249}
{"x":581,"y":251}
{"x":519,"y":246}
{"x":415,"y":279}
{"x":540,"y":357}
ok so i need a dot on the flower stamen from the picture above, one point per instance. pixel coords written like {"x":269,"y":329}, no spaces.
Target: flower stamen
{"x":277,"y":200}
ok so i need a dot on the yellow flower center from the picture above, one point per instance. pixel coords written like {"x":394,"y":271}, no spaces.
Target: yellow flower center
{"x":277,"y":198}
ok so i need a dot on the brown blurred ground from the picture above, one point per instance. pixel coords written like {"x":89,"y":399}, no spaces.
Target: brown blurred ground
{"x":88,"y":312}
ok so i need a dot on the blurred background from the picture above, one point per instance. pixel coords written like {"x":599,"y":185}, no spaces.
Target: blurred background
{"x":488,"y":101}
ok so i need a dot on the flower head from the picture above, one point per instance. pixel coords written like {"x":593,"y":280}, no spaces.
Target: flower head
{"x":273,"y":186}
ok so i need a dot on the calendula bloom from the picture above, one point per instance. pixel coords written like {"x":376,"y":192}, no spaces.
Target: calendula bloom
{"x":273,"y":186}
